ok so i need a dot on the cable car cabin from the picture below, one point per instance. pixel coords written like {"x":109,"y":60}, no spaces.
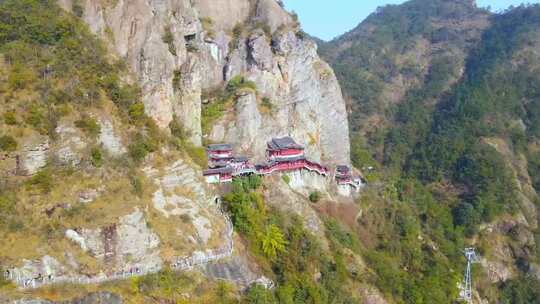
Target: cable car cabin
{"x":283,"y":148}
{"x":219,"y":175}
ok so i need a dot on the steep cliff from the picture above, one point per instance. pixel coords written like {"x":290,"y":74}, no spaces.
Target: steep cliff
{"x":103,"y":105}
{"x":179,"y":50}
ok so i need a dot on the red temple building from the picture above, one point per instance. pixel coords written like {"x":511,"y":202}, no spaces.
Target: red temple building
{"x":219,"y":155}
{"x":284,"y":155}
{"x":224,"y":165}
{"x":283,"y":148}
{"x":242,"y":166}
{"x":344,"y":176}
{"x":291,"y":164}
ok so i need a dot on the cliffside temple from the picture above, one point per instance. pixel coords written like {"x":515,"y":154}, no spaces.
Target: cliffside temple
{"x":344,"y":176}
{"x":283,"y":155}
{"x":284,"y":148}
{"x":219,"y":155}
{"x":291,"y":164}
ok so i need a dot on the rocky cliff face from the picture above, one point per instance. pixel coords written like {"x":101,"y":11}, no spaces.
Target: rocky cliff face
{"x":178,"y":49}
{"x":114,"y":222}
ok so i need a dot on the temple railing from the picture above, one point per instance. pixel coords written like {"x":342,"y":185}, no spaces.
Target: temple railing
{"x":296,"y":165}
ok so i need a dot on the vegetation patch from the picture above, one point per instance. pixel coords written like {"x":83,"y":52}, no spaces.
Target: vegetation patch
{"x":239,"y":83}
{"x":97,"y":157}
{"x":10,"y":118}
{"x":289,"y":254}
{"x":42,"y":181}
{"x":266,"y":106}
{"x":183,"y":143}
{"x":168,"y":38}
{"x":315,"y":197}
{"x":237,"y":33}
{"x":89,"y":125}
{"x":8,"y":143}
{"x":208,"y":26}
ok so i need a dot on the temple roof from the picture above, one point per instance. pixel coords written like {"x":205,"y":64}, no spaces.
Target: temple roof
{"x":240,"y":159}
{"x":219,"y":147}
{"x":283,"y":143}
{"x":343,"y":169}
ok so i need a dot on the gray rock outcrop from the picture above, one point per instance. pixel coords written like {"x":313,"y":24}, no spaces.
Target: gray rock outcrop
{"x":302,"y":95}
{"x":109,"y":140}
{"x":70,"y":145}
{"x":128,"y":244}
{"x":34,"y":156}
{"x":179,"y":193}
{"x":236,"y":269}
{"x":136,"y":243}
{"x":178,"y":49}
{"x":225,"y":14}
{"x":92,"y":298}
{"x":372,"y":296}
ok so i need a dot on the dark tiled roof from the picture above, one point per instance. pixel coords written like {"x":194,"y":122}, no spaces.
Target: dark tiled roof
{"x":240,"y":159}
{"x":283,"y":143}
{"x":219,"y":147}
{"x":223,"y":170}
{"x":343,"y":169}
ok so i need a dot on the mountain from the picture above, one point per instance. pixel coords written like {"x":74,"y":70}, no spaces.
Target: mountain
{"x":442,"y":98}
{"x":106,"y":107}
{"x":400,"y":48}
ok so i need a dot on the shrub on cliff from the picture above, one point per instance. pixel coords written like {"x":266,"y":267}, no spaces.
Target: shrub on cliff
{"x":89,"y":125}
{"x":10,"y":118}
{"x":238,"y":83}
{"x":8,"y":143}
{"x":315,"y":196}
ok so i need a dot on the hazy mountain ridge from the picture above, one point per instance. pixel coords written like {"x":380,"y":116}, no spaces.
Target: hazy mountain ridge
{"x":463,"y":125}
{"x":105,"y":107}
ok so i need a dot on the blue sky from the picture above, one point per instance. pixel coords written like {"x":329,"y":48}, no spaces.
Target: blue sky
{"x":327,"y":19}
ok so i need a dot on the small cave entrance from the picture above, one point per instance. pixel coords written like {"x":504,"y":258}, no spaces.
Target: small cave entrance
{"x":190,"y":37}
{"x":191,"y":42}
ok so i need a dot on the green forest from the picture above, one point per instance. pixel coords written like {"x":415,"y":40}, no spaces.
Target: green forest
{"x":442,"y":157}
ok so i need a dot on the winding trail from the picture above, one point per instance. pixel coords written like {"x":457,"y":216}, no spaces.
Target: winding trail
{"x":198,"y":258}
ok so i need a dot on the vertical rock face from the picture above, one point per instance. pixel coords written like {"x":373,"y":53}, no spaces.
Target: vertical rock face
{"x":304,"y":98}
{"x":178,"y":48}
{"x":151,"y":36}
{"x":225,"y":14}
{"x":109,"y":140}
